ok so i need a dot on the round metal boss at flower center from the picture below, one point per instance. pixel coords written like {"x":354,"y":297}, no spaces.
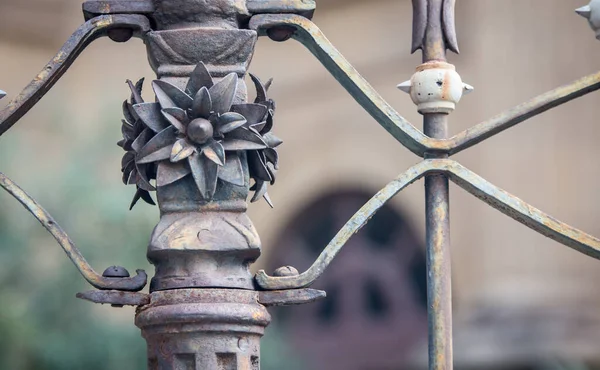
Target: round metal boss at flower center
{"x":200,"y":130}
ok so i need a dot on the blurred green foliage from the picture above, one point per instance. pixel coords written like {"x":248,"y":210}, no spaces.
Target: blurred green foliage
{"x":76,"y":177}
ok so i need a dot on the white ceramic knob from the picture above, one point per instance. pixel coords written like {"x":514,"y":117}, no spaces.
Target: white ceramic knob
{"x":436,"y":87}
{"x":592,"y":13}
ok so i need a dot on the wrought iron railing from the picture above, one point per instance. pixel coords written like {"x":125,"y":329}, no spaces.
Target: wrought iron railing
{"x":200,"y":145}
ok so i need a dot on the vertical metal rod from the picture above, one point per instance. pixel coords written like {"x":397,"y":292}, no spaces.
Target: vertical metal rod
{"x":439,"y":286}
{"x":437,"y":204}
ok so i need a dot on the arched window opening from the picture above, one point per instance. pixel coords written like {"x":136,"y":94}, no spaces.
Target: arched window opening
{"x":375,"y":314}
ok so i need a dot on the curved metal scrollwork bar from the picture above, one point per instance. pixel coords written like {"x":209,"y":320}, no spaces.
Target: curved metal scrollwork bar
{"x":134,"y":284}
{"x":518,"y":114}
{"x":310,"y":36}
{"x":313,"y":39}
{"x":81,"y":38}
{"x":469,"y":181}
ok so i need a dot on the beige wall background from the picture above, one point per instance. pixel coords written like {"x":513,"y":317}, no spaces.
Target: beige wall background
{"x":505,"y":275}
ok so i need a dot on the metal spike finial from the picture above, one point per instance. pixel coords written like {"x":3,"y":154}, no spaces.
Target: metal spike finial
{"x":405,"y":86}
{"x":467,"y":89}
{"x":433,"y":20}
{"x":584,"y":11}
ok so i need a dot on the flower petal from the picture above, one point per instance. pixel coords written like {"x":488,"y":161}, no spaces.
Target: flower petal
{"x":246,"y":135}
{"x":205,"y":175}
{"x":136,"y":91}
{"x":169,"y":172}
{"x":272,"y":140}
{"x":159,"y":147}
{"x":254,"y":113}
{"x":170,"y":96}
{"x":223,"y":92}
{"x":141,"y":194}
{"x":200,"y":78}
{"x":268,"y":84}
{"x":272,"y":156}
{"x":127,"y":173}
{"x":133,"y":177}
{"x":178,"y":113}
{"x":228,"y":122}
{"x":258,"y":167}
{"x":202,"y":105}
{"x":181,"y":150}
{"x":258,"y":127}
{"x":174,"y":121}
{"x":237,"y":145}
{"x":127,"y":130}
{"x":232,"y":172}
{"x":215,"y":152}
{"x":127,"y":158}
{"x":261,"y":91}
{"x":269,"y":123}
{"x":260,"y":190}
{"x":267,"y":199}
{"x":150,"y":115}
{"x":129,"y":113}
{"x":272,"y":172}
{"x":142,"y":140}
{"x":143,"y":181}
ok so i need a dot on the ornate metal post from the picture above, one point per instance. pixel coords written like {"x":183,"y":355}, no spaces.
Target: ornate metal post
{"x":202,"y":147}
{"x":204,"y":311}
{"x":435,"y":89}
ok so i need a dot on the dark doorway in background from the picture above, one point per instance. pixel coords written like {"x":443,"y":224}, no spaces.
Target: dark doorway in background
{"x":375,"y":315}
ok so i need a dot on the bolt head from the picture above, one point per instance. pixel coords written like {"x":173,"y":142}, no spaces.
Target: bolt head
{"x":281,"y":33}
{"x":120,"y":34}
{"x":116,"y":272}
{"x":286,"y":271}
{"x":200,"y":130}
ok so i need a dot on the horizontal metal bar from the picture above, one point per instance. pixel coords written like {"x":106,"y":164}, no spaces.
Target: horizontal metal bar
{"x":135,"y":283}
{"x":305,"y":8}
{"x":115,"y":298}
{"x":290,"y":297}
{"x":55,"y":69}
{"x":353,"y":226}
{"x":307,"y":33}
{"x":474,"y":184}
{"x":94,"y":8}
{"x":518,"y":114}
{"x":521,"y":211}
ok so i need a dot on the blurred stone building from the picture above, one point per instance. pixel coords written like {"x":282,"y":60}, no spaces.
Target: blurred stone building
{"x":521,"y":300}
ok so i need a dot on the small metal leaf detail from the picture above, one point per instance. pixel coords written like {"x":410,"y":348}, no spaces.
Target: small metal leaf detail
{"x":232,"y":171}
{"x":205,"y":174}
{"x":223,"y":92}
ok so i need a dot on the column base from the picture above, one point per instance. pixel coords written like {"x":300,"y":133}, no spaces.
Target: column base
{"x":203,"y":329}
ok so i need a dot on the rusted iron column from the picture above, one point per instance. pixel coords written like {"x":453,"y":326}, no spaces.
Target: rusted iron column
{"x":437,"y":214}
{"x":439,"y":286}
{"x":436,"y":88}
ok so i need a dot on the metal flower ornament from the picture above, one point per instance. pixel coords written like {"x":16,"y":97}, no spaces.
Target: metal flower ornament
{"x":200,"y":132}
{"x":135,"y":135}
